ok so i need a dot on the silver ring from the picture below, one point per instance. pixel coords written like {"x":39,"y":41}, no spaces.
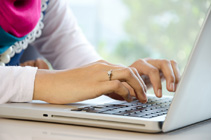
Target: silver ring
{"x":109,"y":74}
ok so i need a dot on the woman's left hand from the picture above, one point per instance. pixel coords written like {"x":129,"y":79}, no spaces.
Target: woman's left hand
{"x":39,"y":63}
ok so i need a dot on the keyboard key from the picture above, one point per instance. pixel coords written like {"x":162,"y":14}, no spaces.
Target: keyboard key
{"x":153,"y":108}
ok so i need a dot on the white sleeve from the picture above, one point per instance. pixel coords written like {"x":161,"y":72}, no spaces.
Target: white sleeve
{"x":62,"y":42}
{"x":17,"y":84}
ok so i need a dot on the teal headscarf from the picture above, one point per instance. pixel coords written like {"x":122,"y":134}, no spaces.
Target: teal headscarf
{"x":7,"y":40}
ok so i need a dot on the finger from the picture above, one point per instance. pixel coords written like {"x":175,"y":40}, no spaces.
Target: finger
{"x":118,"y":97}
{"x":123,"y":74}
{"x":140,"y":79}
{"x":166,"y":67}
{"x":29,"y":63}
{"x":153,"y":73}
{"x":41,"y":64}
{"x":131,"y":90}
{"x":127,"y":75}
{"x":147,"y":81}
{"x":22,"y":64}
{"x":115,"y":96}
{"x":176,"y":71}
{"x":117,"y":87}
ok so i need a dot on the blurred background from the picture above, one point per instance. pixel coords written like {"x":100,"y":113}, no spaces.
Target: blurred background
{"x":125,"y":30}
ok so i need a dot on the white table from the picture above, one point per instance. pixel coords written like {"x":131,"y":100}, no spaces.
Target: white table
{"x":30,"y":130}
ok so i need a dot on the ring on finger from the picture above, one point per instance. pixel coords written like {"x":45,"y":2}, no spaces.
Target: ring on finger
{"x":109,"y":74}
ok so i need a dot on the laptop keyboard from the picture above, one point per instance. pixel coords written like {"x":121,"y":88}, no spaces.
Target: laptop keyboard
{"x":153,"y":108}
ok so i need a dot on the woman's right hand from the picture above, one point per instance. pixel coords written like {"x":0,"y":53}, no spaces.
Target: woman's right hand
{"x":91,"y":81}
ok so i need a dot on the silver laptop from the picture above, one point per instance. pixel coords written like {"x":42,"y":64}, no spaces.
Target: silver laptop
{"x":190,"y":104}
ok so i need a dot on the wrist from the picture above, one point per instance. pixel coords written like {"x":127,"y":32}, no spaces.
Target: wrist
{"x":42,"y":85}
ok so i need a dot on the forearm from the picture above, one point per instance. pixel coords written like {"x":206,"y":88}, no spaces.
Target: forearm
{"x":41,"y":84}
{"x":87,"y":82}
{"x":54,"y":86}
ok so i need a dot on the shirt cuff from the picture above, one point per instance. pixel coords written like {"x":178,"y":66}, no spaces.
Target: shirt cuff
{"x":23,"y":84}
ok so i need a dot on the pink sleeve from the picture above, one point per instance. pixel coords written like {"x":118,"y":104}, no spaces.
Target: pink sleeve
{"x":62,"y":42}
{"x":17,"y":84}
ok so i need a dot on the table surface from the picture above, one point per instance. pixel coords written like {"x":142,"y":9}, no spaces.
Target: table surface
{"x":11,"y":129}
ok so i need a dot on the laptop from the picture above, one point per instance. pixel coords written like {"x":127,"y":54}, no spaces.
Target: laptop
{"x":190,"y":104}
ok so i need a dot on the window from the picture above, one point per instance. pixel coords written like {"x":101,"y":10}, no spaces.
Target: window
{"x":124,"y":30}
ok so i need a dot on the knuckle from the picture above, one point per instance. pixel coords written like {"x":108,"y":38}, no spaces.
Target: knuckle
{"x":153,"y":71}
{"x":173,"y":62}
{"x":99,"y":65}
{"x":101,"y":61}
{"x":133,"y":69}
{"x":148,"y":59}
{"x":165,"y":62}
{"x":141,"y":60}
{"x":128,"y":72}
{"x":171,"y":77}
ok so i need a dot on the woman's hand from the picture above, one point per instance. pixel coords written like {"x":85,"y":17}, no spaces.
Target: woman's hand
{"x":153,"y":71}
{"x":62,"y":87}
{"x":39,"y":63}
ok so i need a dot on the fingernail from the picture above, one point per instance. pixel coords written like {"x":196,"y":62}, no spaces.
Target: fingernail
{"x":145,"y":95}
{"x":172,"y":86}
{"x":159,"y":93}
{"x":146,"y":100}
{"x":145,"y":88}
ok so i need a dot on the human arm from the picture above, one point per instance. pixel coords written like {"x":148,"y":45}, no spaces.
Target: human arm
{"x":67,"y":56}
{"x":90,"y":81}
{"x":61,"y":57}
